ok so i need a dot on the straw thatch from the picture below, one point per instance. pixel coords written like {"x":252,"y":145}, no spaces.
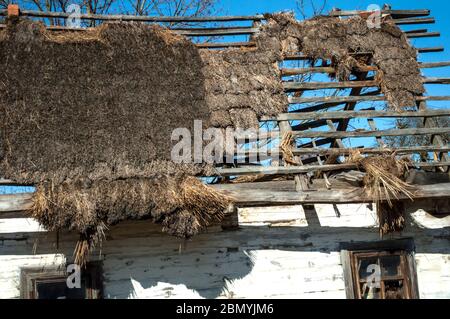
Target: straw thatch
{"x":384,"y":182}
{"x":88,"y":116}
{"x":183,"y":205}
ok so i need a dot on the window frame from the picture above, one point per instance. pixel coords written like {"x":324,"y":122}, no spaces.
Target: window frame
{"x":93,"y":275}
{"x":403,"y":247}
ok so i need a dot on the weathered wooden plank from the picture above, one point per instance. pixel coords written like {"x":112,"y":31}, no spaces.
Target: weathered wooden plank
{"x":296,"y":71}
{"x":423,"y":35}
{"x":297,"y":56}
{"x":373,"y":133}
{"x":300,"y":86}
{"x":245,"y":195}
{"x":394,"y":13}
{"x":408,"y":21}
{"x":273,"y":170}
{"x":331,"y":70}
{"x":181,"y":31}
{"x":430,"y":49}
{"x":217,"y":45}
{"x":15,"y":202}
{"x":345,"y":134}
{"x":347,"y":151}
{"x":123,"y":17}
{"x":216,"y":31}
{"x":427,"y":65}
{"x":346,"y":99}
{"x":435,"y":80}
{"x":333,"y":115}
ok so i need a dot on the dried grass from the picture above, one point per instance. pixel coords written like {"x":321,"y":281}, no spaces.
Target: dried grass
{"x":184,"y":206}
{"x":383,"y":182}
{"x":286,"y":145}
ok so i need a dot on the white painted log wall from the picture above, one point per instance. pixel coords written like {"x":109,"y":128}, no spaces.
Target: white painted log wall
{"x":275,"y":254}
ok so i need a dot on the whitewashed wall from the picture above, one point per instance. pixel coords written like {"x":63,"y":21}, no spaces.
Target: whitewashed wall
{"x":277,"y":253}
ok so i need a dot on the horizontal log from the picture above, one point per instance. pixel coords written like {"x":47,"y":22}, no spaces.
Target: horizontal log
{"x":427,"y":65}
{"x":353,"y":99}
{"x":15,"y":202}
{"x":434,"y":80}
{"x":123,"y":17}
{"x":297,"y":57}
{"x":215,"y":31}
{"x":408,"y":21}
{"x":287,"y":170}
{"x":254,"y":194}
{"x":357,"y":114}
{"x":248,"y":195}
{"x":423,"y":35}
{"x":430,"y":49}
{"x":264,"y":135}
{"x":373,"y":133}
{"x":393,"y":13}
{"x":331,"y":70}
{"x":415,"y":31}
{"x":296,"y":86}
{"x":217,"y":45}
{"x":181,"y":31}
{"x":347,"y":151}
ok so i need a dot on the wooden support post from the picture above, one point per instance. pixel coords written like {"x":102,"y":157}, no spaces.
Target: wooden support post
{"x":429,"y":122}
{"x":301,"y":181}
{"x":231,"y":219}
{"x":374,"y":128}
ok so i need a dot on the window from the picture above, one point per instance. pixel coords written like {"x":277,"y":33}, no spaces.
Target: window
{"x":380,"y":270}
{"x":45,"y":283}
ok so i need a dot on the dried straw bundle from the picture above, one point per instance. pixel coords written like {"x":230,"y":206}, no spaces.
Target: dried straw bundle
{"x":183,"y":205}
{"x":383,"y":182}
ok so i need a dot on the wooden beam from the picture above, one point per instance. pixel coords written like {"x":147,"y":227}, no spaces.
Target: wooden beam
{"x":423,"y":35}
{"x":347,"y":151}
{"x":194,"y":32}
{"x":301,"y":86}
{"x":254,"y":194}
{"x":373,"y":133}
{"x":360,"y":98}
{"x":282,"y":170}
{"x":249,"y":195}
{"x":331,"y":70}
{"x":263,"y":135}
{"x":356,"y":114}
{"x":215,"y":31}
{"x":296,"y":71}
{"x":218,"y":45}
{"x":408,"y":21}
{"x":425,"y":65}
{"x":435,"y":80}
{"x":430,"y":49}
{"x":123,"y":17}
{"x":15,"y":202}
{"x":393,"y":13}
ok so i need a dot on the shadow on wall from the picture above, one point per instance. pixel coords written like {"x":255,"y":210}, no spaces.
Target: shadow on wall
{"x":257,"y":262}
{"x":253,"y":261}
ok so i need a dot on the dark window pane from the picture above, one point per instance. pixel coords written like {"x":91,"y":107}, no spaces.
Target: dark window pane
{"x":364,"y":268}
{"x":394,"y":289}
{"x":390,"y":265}
{"x":59,"y":290}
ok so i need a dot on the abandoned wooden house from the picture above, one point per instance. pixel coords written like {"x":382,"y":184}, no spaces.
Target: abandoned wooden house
{"x":351,"y":199}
